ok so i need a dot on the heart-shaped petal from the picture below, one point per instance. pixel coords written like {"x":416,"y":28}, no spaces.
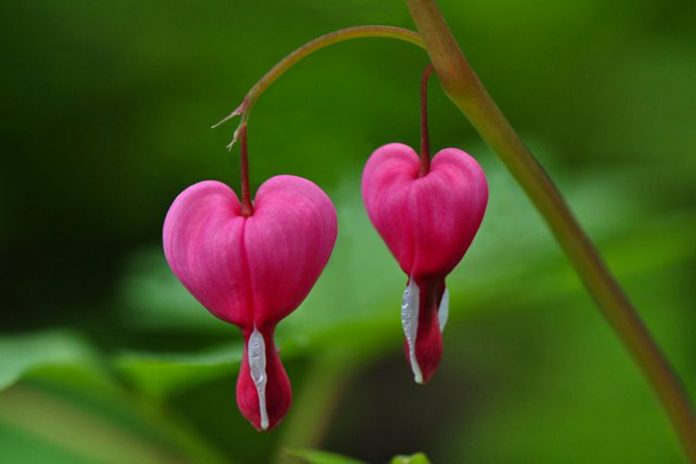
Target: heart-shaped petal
{"x":202,"y":240}
{"x":288,"y":240}
{"x":427,"y":222}
{"x":250,"y":271}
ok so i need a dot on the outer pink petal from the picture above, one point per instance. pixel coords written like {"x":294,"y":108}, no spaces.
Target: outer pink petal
{"x":447,"y":207}
{"x":288,"y":241}
{"x":386,"y":183}
{"x":202,"y":243}
{"x":251,"y":270}
{"x":427,"y":222}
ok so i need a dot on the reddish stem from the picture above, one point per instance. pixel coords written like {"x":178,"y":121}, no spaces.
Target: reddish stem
{"x":247,"y":206}
{"x":425,"y":139}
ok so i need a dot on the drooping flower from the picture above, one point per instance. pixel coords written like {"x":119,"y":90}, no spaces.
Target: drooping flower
{"x":428,"y":220}
{"x":252,"y":269}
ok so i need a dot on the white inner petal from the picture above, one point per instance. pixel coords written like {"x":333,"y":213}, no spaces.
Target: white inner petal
{"x":443,"y":310}
{"x":257,"y":366}
{"x":409,"y":322}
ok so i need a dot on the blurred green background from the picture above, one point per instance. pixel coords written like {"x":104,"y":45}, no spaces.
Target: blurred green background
{"x":106,"y":114}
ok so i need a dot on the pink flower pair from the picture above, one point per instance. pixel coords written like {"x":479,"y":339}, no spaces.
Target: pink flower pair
{"x":253,"y":269}
{"x":252,"y":264}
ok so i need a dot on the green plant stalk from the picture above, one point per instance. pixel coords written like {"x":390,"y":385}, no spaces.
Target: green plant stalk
{"x":464,"y":88}
{"x":317,"y":401}
{"x":189,"y":440}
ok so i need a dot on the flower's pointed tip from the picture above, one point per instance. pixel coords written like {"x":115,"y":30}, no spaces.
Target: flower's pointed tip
{"x":261,"y":427}
{"x":418,"y":377}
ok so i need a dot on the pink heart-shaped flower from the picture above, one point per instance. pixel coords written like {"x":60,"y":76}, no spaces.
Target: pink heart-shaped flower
{"x":428,"y":223}
{"x":252,"y":271}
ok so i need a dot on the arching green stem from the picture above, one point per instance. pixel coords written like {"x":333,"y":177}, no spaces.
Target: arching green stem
{"x":307,"y":49}
{"x":464,"y":88}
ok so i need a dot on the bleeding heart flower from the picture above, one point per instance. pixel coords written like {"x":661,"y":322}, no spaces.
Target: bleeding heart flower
{"x":252,"y":267}
{"x":428,"y":222}
{"x":428,"y":214}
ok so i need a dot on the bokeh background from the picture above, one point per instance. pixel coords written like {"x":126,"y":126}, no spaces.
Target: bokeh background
{"x":106,"y":114}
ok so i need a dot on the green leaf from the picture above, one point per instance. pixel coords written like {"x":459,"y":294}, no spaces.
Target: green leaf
{"x":45,"y":422}
{"x":88,"y":399}
{"x":60,"y":355}
{"x":21,"y":447}
{"x":160,"y":373}
{"x":307,"y":456}
{"x":418,"y":458}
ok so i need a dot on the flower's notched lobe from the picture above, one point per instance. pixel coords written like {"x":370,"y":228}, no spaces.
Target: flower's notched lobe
{"x":428,"y":223}
{"x":252,"y":271}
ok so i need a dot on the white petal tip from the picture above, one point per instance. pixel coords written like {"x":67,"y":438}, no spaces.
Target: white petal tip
{"x":409,"y":323}
{"x":443,"y":310}
{"x":257,"y":367}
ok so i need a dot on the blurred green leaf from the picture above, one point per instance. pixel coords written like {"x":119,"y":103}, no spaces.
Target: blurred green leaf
{"x":20,"y":447}
{"x":158,"y":373}
{"x":418,"y":458}
{"x":307,"y":456}
{"x":52,"y":423}
{"x":61,"y":355}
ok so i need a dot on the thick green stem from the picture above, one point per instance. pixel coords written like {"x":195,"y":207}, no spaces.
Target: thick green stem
{"x":463,"y":86}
